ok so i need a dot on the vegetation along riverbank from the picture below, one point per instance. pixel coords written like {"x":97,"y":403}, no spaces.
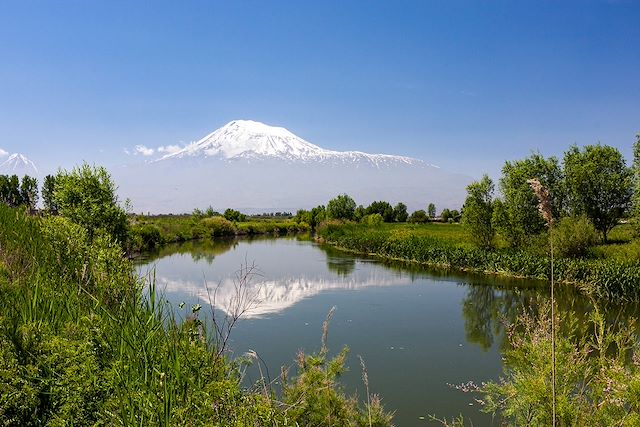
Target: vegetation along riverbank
{"x":83,"y":342}
{"x":594,"y":201}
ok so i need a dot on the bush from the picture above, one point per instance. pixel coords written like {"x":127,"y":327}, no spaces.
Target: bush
{"x":219,"y":226}
{"x":373,"y":219}
{"x":573,"y":236}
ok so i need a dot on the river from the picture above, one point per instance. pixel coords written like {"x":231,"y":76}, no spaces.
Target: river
{"x":419,"y":331}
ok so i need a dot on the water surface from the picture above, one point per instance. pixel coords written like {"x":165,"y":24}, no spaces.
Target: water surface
{"x":419,"y":331}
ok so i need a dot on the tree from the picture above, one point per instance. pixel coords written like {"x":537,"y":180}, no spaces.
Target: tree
{"x":445,"y":214}
{"x":87,"y":196}
{"x":400,"y":212}
{"x":359,"y":213}
{"x":48,"y":191}
{"x":418,"y":217}
{"x":342,"y":207}
{"x":11,"y":195}
{"x":520,"y":218}
{"x":234,"y":215}
{"x":431,"y":209}
{"x":599,"y":184}
{"x":478,"y":211}
{"x":381,"y":207}
{"x":29,"y":192}
{"x":455,"y":215}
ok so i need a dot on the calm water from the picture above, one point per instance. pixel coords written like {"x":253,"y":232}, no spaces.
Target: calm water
{"x":417,"y":330}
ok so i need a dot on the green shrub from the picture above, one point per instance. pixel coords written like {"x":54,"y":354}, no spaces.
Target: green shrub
{"x":218,"y":226}
{"x":372,"y":219}
{"x":573,"y":236}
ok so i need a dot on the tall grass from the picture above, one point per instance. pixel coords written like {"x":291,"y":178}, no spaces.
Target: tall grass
{"x":82,"y":343}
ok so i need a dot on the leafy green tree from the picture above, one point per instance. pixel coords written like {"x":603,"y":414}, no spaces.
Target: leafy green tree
{"x":383,"y":208}
{"x":234,"y":215}
{"x":342,"y":207}
{"x":478,"y":211}
{"x":445,"y":214}
{"x":599,"y":184}
{"x":431,"y":209}
{"x":11,"y":195}
{"x":418,"y":217}
{"x":87,"y":196}
{"x":29,"y":192}
{"x":520,"y":218}
{"x":4,"y":189}
{"x":359,"y":213}
{"x":400,"y":212}
{"x":48,"y":191}
{"x":456,"y":215}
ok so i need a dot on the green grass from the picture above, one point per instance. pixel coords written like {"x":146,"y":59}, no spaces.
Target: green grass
{"x":149,"y":232}
{"x":82,"y":343}
{"x":448,"y":246}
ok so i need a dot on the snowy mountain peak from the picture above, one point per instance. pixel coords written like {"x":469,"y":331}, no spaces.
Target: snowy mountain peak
{"x":19,"y":164}
{"x":247,"y":139}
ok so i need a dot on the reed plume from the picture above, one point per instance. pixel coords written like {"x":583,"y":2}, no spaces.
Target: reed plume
{"x":544,"y":206}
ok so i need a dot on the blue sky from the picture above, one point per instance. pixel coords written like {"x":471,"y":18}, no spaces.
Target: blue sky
{"x":462,"y":84}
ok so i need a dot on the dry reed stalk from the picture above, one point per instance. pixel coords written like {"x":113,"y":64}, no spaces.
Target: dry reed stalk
{"x":544,"y":206}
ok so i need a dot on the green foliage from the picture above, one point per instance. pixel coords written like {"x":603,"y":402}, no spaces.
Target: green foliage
{"x":431,"y":210}
{"x":81,"y":343}
{"x":233,"y":215}
{"x":606,"y":278}
{"x":87,"y":196}
{"x":599,"y":184}
{"x":342,"y":207}
{"x":418,"y":217}
{"x":218,"y":226}
{"x":372,"y":219}
{"x":400,"y":212}
{"x":14,"y":192}
{"x":573,"y":236}
{"x":478,"y":212}
{"x":313,"y":218}
{"x":48,"y":191}
{"x":29,"y":192}
{"x":315,"y":397}
{"x":596,"y":384}
{"x":383,"y":208}
{"x":445,"y":215}
{"x":518,"y":217}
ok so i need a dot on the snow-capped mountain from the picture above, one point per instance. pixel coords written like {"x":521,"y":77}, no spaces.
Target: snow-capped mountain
{"x":254,"y":167}
{"x":247,"y":139}
{"x":18,"y":164}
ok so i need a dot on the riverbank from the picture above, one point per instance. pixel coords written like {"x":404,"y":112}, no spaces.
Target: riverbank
{"x":447,"y":247}
{"x":83,"y":342}
{"x":152,"y":232}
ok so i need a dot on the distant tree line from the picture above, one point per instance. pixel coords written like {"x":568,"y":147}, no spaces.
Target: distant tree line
{"x":16,"y":192}
{"x":592,"y":189}
{"x":343,"y":207}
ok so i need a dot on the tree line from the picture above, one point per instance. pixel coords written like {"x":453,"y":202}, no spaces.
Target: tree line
{"x":592,"y":188}
{"x":343,"y":207}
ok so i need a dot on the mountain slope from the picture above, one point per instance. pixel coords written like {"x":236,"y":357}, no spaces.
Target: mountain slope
{"x":247,"y":139}
{"x":18,"y":164}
